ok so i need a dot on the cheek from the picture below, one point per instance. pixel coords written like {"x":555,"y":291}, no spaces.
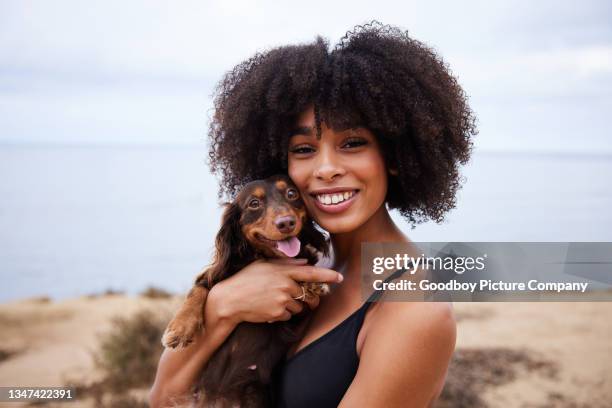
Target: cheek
{"x":297,"y":174}
{"x":376,"y":162}
{"x":376,"y":173}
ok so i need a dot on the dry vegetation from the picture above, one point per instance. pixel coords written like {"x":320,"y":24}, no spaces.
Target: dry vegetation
{"x":127,"y":357}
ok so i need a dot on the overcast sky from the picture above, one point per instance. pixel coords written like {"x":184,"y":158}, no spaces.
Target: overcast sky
{"x":539,"y":73}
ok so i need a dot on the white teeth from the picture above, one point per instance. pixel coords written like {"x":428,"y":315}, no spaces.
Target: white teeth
{"x":334,"y":198}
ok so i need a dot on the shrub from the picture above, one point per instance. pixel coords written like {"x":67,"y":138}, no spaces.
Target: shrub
{"x":155,"y":293}
{"x":473,"y":370}
{"x":129,"y":353}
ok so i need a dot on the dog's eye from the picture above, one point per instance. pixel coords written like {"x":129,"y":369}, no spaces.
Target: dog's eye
{"x":254,"y":203}
{"x":292,"y":194}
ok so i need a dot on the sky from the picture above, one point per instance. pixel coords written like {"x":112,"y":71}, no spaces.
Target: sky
{"x":538,"y":74}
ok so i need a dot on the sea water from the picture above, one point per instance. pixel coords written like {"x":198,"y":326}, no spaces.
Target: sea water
{"x":77,"y":220}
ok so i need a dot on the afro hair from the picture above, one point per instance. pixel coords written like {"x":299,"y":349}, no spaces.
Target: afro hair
{"x":376,"y":77}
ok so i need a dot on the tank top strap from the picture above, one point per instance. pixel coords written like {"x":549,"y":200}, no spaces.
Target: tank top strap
{"x":358,"y":318}
{"x":376,"y":295}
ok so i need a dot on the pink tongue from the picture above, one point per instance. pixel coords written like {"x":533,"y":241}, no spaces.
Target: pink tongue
{"x":289,"y":246}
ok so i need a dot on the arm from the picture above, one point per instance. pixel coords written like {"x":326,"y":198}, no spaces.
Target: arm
{"x":261,"y":292}
{"x":404,"y":357}
{"x":178,"y":369}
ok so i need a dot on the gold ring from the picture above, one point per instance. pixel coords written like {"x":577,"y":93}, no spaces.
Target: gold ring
{"x":302,"y":296}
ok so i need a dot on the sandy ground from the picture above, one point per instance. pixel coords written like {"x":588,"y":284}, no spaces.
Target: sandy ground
{"x":53,"y":342}
{"x":575,"y":337}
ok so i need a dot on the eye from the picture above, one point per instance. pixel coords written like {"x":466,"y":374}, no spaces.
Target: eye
{"x":292,"y":194}
{"x":353,"y":142}
{"x":254,"y":203}
{"x":301,"y":149}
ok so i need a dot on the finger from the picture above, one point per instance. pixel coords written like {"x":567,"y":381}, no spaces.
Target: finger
{"x":286,"y":316}
{"x":296,"y":290}
{"x":312,"y":301}
{"x":294,"y":306}
{"x":309,"y":273}
{"x":290,"y":287}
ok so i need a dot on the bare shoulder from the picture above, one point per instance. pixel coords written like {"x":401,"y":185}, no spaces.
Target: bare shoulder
{"x":431,"y":323}
{"x":406,"y":351}
{"x":415,"y":312}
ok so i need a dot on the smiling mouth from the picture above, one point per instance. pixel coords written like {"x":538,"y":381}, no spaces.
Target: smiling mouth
{"x":289,"y":246}
{"x":334,"y":198}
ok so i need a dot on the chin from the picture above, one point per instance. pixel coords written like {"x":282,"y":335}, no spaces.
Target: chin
{"x":338,"y":226}
{"x":333,"y":223}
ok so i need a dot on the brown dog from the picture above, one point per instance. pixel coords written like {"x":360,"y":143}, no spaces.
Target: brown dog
{"x":267,"y":219}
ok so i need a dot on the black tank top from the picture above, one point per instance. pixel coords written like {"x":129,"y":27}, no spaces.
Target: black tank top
{"x":319,"y":374}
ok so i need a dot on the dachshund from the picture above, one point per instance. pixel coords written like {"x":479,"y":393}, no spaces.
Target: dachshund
{"x":267,"y":219}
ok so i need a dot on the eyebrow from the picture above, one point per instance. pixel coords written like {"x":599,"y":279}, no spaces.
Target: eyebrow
{"x":302,"y":130}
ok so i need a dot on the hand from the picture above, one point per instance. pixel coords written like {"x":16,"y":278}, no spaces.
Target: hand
{"x":264,"y":291}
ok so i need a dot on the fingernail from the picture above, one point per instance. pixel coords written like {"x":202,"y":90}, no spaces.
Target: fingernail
{"x":340,"y":277}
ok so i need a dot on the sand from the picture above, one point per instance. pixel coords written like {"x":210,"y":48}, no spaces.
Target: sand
{"x":571,"y":344}
{"x":574,"y":337}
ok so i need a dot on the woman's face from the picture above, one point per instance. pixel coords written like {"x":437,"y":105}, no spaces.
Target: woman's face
{"x":342,"y":176}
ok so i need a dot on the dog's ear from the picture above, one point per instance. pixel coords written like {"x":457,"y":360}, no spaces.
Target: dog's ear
{"x":230,"y":245}
{"x":311,"y":235}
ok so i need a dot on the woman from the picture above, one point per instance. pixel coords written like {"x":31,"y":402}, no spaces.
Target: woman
{"x":380,"y":120}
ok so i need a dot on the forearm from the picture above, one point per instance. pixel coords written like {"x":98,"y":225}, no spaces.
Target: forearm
{"x":178,"y":369}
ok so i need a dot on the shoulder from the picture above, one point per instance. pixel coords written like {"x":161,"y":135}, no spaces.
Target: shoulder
{"x":428,"y":326}
{"x":406,"y":351}
{"x":430,"y":316}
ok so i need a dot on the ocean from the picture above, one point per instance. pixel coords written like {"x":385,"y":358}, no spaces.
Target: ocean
{"x":78,"y":220}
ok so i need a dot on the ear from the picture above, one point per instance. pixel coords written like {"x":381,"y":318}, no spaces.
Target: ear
{"x":311,"y":235}
{"x":230,"y":245}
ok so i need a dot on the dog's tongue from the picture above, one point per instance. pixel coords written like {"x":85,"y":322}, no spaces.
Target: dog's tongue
{"x":289,"y":246}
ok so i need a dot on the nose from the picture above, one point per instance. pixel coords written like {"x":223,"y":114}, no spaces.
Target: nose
{"x":327,"y":167}
{"x":285,"y":224}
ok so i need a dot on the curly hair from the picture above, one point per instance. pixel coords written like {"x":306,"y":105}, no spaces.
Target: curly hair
{"x":376,"y":77}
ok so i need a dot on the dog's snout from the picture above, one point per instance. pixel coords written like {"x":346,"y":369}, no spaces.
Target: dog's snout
{"x":285,"y":224}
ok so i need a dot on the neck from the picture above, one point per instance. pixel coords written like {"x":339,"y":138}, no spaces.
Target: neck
{"x":347,"y":246}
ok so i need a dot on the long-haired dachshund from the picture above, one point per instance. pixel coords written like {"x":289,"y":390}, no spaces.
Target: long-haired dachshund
{"x":267,"y":219}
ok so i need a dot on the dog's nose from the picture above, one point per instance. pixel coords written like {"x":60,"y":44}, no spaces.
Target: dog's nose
{"x":285,"y":224}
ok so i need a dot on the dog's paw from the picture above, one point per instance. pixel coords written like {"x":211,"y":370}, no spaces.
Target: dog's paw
{"x":323,"y":289}
{"x":181,"y":332}
{"x":316,"y":288}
